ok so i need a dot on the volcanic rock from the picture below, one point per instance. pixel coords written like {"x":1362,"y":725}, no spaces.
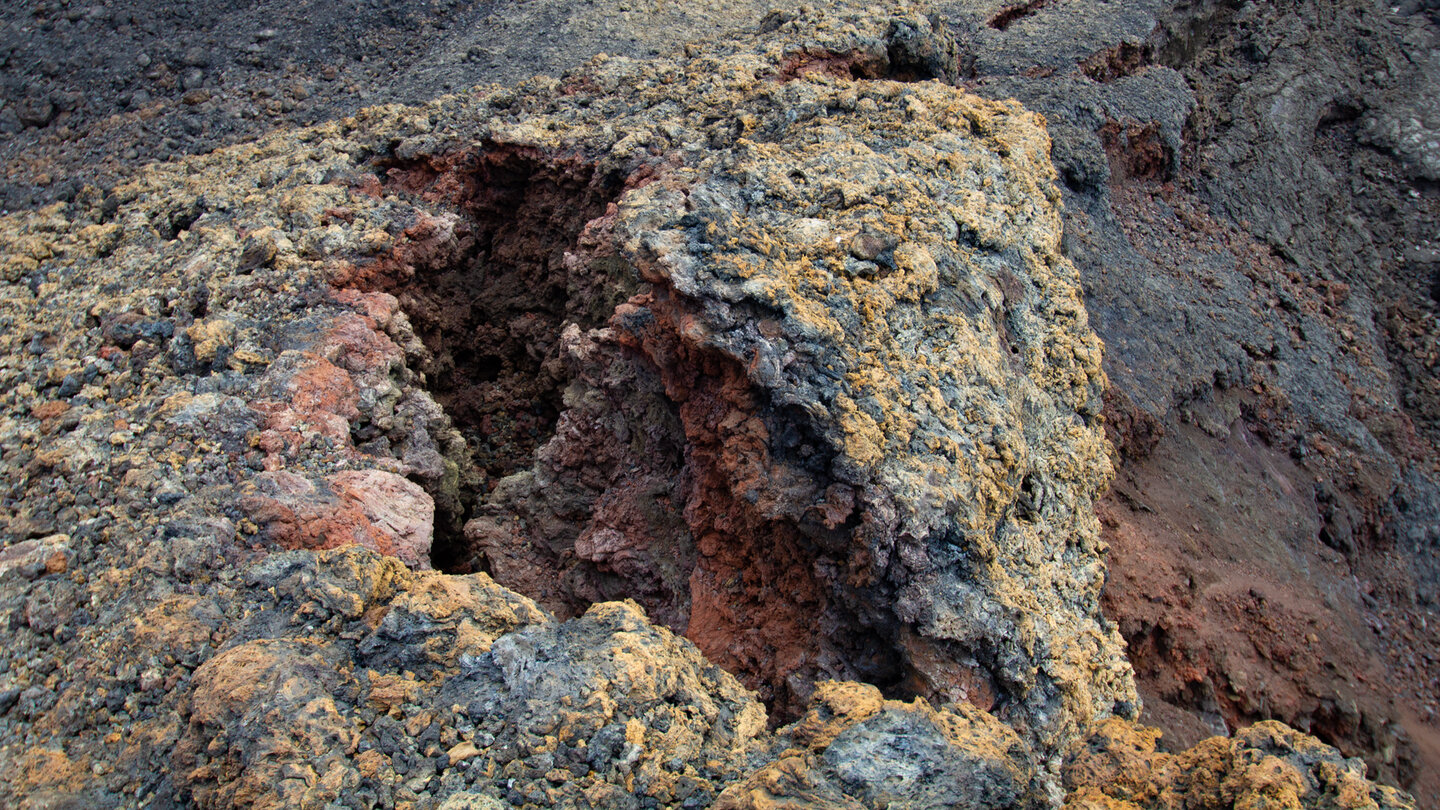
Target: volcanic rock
{"x":745,"y":396}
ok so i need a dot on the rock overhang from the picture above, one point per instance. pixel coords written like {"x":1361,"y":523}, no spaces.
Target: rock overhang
{"x":846,"y":302}
{"x":859,"y":285}
{"x":877,"y":260}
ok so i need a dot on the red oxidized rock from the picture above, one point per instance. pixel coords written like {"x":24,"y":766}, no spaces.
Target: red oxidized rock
{"x":371,"y":508}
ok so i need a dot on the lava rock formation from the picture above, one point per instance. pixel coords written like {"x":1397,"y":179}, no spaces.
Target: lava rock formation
{"x":726,"y":427}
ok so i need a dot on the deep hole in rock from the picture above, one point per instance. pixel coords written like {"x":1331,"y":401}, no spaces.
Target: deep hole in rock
{"x":488,"y":291}
{"x":621,"y":462}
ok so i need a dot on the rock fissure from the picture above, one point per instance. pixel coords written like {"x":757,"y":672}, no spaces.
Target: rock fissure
{"x":798,"y":367}
{"x":641,"y":460}
{"x":504,"y":259}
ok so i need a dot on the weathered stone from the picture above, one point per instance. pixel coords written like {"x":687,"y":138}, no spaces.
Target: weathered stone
{"x":770,"y":337}
{"x":395,"y":507}
{"x":1265,"y":765}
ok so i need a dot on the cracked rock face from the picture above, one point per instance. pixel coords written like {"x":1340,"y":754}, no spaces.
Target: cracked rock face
{"x":843,"y":421}
{"x":717,"y":383}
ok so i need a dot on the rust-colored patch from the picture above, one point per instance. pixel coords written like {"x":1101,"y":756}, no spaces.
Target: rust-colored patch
{"x":1136,"y":151}
{"x":44,"y":767}
{"x":754,"y":600}
{"x":850,"y":65}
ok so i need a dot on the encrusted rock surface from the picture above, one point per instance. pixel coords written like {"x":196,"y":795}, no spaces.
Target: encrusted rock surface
{"x":1265,"y":765}
{"x":773,"y":337}
{"x":873,"y":376}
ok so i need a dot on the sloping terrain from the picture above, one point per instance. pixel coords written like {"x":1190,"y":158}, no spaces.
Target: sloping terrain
{"x":1256,"y":253}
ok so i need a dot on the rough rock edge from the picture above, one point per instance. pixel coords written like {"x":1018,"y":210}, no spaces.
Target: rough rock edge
{"x":291,"y":612}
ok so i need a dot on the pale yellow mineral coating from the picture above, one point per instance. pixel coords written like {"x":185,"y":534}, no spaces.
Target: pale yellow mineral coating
{"x":927,"y":281}
{"x":940,"y":422}
{"x":1265,"y":766}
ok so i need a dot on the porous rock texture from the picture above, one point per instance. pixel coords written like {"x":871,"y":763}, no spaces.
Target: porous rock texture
{"x":1264,"y":765}
{"x":773,"y":337}
{"x":875,"y":389}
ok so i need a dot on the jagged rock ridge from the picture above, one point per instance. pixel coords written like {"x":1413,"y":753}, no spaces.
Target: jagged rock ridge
{"x":872,"y":387}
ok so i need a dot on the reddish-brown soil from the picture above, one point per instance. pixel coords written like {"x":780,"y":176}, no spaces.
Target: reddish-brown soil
{"x":1252,"y":574}
{"x":1234,"y":613}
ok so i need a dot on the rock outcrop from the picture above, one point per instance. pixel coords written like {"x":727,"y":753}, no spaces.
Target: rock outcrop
{"x":771,"y":342}
{"x":1265,"y":765}
{"x":845,"y":422}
